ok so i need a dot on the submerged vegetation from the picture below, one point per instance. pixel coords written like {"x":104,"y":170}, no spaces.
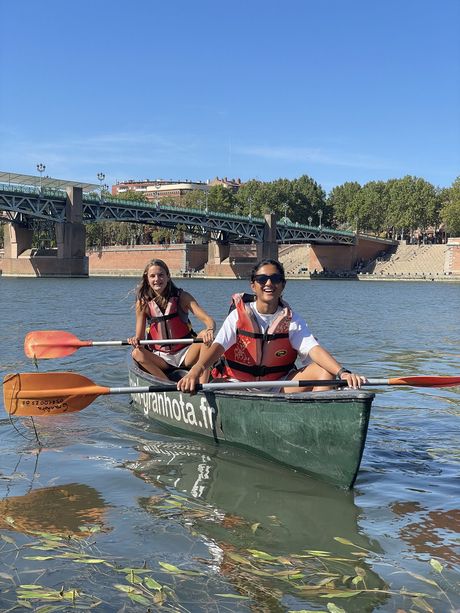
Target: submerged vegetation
{"x":47,"y":572}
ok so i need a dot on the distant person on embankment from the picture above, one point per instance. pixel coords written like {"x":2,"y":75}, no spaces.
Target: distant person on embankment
{"x":162,"y":309}
{"x":262,"y":337}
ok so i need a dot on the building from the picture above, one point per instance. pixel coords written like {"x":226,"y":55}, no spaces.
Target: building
{"x":233,"y":184}
{"x":160,"y":188}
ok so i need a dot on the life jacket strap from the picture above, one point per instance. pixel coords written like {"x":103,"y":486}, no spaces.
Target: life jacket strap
{"x":264,"y":336}
{"x":259,"y":371}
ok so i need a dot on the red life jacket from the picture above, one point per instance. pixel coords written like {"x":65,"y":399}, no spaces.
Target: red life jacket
{"x":258,"y":356}
{"x":172,"y":323}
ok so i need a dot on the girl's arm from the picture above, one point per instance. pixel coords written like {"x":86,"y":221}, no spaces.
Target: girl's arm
{"x":188,"y":303}
{"x":141,"y":318}
{"x":209,"y":356}
{"x":323,"y":358}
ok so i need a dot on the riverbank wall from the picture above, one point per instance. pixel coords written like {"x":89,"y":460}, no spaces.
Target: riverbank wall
{"x":402,"y":263}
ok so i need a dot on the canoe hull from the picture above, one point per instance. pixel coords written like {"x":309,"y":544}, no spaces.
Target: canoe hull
{"x":322,"y":434}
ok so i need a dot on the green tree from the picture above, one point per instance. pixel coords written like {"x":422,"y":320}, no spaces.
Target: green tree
{"x":250,"y":199}
{"x":450,"y":210}
{"x":221,"y":199}
{"x":413,"y":203}
{"x":307,"y":198}
{"x":342,"y":202}
{"x":369,"y":207}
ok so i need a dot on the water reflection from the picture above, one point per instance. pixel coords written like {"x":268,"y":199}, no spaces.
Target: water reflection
{"x":70,"y":509}
{"x":242,"y":504}
{"x":428,"y":531}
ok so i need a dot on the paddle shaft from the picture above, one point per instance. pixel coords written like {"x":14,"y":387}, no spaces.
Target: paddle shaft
{"x":252,"y":385}
{"x":171,"y":341}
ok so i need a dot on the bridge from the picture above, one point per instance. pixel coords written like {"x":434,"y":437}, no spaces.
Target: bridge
{"x":23,"y":203}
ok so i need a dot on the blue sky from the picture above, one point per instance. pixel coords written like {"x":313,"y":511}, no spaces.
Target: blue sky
{"x":338,"y":90}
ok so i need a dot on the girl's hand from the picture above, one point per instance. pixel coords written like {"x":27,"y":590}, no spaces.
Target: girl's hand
{"x":355,"y":381}
{"x":189,"y":382}
{"x":134,"y":341}
{"x":207,"y":336}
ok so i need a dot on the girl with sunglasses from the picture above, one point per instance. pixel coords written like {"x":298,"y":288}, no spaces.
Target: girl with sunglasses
{"x":162,"y":310}
{"x":261,"y":339}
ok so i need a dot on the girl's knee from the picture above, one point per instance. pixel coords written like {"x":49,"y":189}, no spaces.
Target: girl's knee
{"x":137,"y":354}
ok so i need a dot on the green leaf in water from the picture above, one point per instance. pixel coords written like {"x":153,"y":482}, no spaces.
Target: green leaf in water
{"x":7,"y":539}
{"x":255,"y":526}
{"x":237,"y":558}
{"x":333,"y":608}
{"x":262,"y":555}
{"x":170,"y":567}
{"x":138,"y":571}
{"x":341,"y":594}
{"x":421,"y":578}
{"x":124,"y":588}
{"x":340,"y":539}
{"x":422,"y":604}
{"x":438,"y":567}
{"x":139,"y":598}
{"x":235,"y":596}
{"x":152,"y":584}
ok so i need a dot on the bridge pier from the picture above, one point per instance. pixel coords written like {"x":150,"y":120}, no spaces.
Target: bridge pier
{"x":68,"y":260}
{"x":268,"y":249}
{"x":222,"y":264}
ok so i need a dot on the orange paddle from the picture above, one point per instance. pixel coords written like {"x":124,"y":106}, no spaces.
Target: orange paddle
{"x":63,"y":392}
{"x":45,"y":344}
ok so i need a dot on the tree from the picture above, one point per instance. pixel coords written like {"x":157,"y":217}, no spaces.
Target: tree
{"x":221,"y":199}
{"x":307,"y":199}
{"x":369,"y":207}
{"x":342,"y":202}
{"x":450,"y":211}
{"x":413,"y":203}
{"x":250,"y":198}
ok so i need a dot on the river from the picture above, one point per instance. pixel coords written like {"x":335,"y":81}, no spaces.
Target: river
{"x":101,"y":510}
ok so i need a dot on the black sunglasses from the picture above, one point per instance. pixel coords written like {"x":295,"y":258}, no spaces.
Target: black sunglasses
{"x":276,"y":279}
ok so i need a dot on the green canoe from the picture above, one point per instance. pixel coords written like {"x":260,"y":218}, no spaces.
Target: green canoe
{"x":319,"y":433}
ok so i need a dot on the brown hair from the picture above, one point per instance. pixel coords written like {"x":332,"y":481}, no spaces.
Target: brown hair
{"x":145,"y":293}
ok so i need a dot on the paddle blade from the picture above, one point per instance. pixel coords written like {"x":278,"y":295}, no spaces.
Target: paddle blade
{"x":34,"y":394}
{"x":45,"y":344}
{"x":421,"y":381}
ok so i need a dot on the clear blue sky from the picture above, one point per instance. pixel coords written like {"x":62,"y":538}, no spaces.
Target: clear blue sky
{"x":338,"y":90}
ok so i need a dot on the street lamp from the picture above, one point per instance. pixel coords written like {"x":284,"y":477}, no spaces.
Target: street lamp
{"x":206,"y":209}
{"x":285,"y":212}
{"x":250,"y":207}
{"x":41,"y":169}
{"x":320,"y":215}
{"x":101,"y":177}
{"x":310,"y":219}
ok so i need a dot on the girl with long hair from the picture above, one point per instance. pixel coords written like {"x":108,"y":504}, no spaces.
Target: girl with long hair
{"x":162,"y":313}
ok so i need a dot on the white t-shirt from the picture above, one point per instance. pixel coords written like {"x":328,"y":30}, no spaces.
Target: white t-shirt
{"x":300,"y":336}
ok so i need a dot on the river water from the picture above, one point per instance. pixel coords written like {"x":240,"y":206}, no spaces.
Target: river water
{"x":101,"y":510}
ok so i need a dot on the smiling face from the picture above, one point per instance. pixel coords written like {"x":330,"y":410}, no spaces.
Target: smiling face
{"x":157,"y":279}
{"x":268,"y":285}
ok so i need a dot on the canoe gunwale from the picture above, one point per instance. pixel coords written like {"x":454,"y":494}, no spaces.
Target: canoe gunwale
{"x":338,"y":395}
